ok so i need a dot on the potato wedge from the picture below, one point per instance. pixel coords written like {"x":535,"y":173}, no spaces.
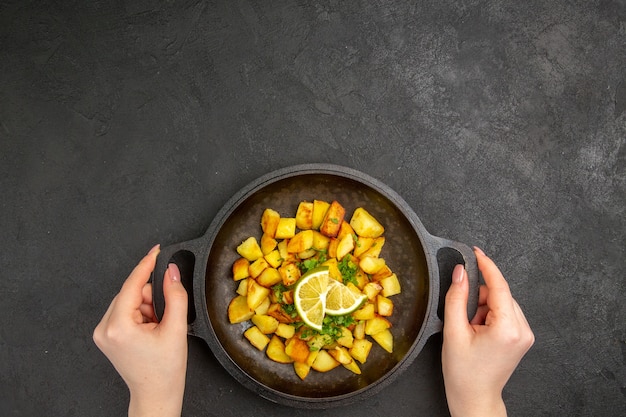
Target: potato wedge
{"x":242,"y":288}
{"x":341,"y":355}
{"x":345,"y":246}
{"x":268,"y":243}
{"x":383,"y":272}
{"x":345,"y":229}
{"x":360,"y":350}
{"x":290,"y":273}
{"x":257,"y":338}
{"x":346,"y":339}
{"x":240,"y":269}
{"x":367,"y":312}
{"x":384,"y":339}
{"x":372,"y":289}
{"x":359,"y":331}
{"x":364,"y":224}
{"x":324,"y":362}
{"x":320,"y":242}
{"x":250,"y":249}
{"x":391,"y":285}
{"x":384,"y":306}
{"x":269,"y":222}
{"x":302,"y":369}
{"x":376,"y":248}
{"x":332,"y":220}
{"x":332,"y":247}
{"x":319,"y":211}
{"x":284,"y":254}
{"x":307,"y":254}
{"x":263,"y":307}
{"x":371,"y":265}
{"x":274,"y":259}
{"x":297,"y":349}
{"x":333,"y":269}
{"x":300,"y":242}
{"x":362,"y":245}
{"x":286,"y":228}
{"x":266,"y":324}
{"x":269,"y":277}
{"x":362,"y":278}
{"x":304,"y":215}
{"x":256,"y":294}
{"x":376,"y":325}
{"x":286,"y":331}
{"x":276,"y":351}
{"x":352,"y":367}
{"x":257,"y":267}
{"x":238,"y":310}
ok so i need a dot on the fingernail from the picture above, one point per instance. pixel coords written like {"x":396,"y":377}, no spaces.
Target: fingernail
{"x":457,"y":274}
{"x":479,"y":250}
{"x":156,"y":248}
{"x":174,"y":272}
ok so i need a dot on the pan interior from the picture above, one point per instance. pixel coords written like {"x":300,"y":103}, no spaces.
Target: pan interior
{"x":403,"y":252}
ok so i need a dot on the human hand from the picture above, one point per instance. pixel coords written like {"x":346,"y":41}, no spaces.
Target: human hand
{"x":151,"y":357}
{"x":479,"y":356}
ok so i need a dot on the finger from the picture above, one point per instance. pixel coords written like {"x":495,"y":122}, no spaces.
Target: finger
{"x":481,"y":315}
{"x":498,"y":292}
{"x":175,"y":314}
{"x":130,"y":295}
{"x":483,"y":293}
{"x":455,"y":312}
{"x":146,"y":293}
{"x":491,"y":273}
{"x":147,"y":311}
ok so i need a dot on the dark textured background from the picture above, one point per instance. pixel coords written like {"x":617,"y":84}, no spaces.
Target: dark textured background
{"x":124,"y":124}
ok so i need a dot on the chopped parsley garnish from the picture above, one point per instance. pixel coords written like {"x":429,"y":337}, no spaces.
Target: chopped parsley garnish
{"x":311,"y":263}
{"x":331,"y":330}
{"x":332,"y":325}
{"x":348,"y":270}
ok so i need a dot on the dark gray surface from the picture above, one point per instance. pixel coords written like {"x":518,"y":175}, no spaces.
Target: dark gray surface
{"x":123,"y":124}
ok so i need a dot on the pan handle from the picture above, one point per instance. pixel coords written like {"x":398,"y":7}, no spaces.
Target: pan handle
{"x":449,"y":254}
{"x":186,"y":256}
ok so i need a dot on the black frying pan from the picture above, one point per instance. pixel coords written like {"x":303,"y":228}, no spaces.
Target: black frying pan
{"x":422,"y":262}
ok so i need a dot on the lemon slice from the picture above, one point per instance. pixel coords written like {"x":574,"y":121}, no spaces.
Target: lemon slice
{"x":340,"y":299}
{"x":310,"y":296}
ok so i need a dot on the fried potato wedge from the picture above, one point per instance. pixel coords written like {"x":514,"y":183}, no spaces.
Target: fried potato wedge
{"x":238,"y":310}
{"x":364,"y":224}
{"x":276,"y":351}
{"x":324,"y":362}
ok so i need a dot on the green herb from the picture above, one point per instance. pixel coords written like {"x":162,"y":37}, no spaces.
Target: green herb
{"x":311,"y":263}
{"x":334,"y":220}
{"x":308,"y":264}
{"x":332,"y":329}
{"x":289,"y":309}
{"x":279,"y":289}
{"x":333,"y":325}
{"x":348,"y":270}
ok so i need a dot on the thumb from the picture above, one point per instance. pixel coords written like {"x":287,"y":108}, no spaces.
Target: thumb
{"x":176,"y":304}
{"x":455,"y":311}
